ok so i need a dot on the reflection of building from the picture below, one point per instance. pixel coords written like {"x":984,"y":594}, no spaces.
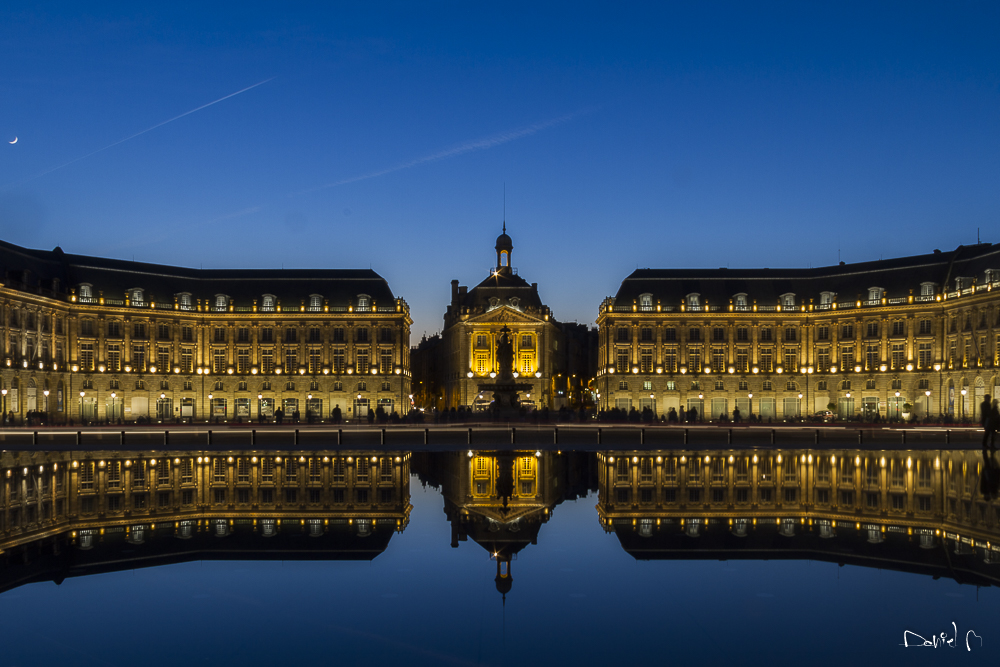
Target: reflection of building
{"x":868,"y":338}
{"x":472,"y":326}
{"x":92,"y":338}
{"x":501,"y":499}
{"x":918,"y":511}
{"x":74,"y":513}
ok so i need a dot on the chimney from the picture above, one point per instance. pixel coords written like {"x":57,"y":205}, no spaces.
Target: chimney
{"x":454,"y":292}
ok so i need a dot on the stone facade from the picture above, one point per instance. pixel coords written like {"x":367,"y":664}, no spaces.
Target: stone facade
{"x":868,"y":338}
{"x":228,"y":345}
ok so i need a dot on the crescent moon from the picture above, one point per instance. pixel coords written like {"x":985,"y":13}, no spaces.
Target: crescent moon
{"x":13,"y":142}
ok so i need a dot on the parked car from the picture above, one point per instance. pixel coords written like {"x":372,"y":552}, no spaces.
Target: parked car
{"x":823,"y":416}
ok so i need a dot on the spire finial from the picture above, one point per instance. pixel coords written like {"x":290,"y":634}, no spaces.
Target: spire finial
{"x":504,"y":226}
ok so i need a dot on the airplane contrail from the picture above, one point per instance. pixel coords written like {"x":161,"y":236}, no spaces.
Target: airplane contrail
{"x":148,"y":129}
{"x":467,"y":147}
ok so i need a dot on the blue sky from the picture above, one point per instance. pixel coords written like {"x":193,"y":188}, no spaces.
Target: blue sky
{"x":661,"y":135}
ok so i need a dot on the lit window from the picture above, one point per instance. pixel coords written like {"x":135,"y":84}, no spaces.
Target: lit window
{"x":646,"y":302}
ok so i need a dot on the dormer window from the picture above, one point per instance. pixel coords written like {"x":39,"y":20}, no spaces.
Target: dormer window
{"x":315,"y":302}
{"x":875,"y":293}
{"x":86,"y":291}
{"x":514,"y":302}
{"x":740,"y":300}
{"x":364,"y":303}
{"x":494,"y":302}
{"x":694,"y":301}
{"x":991,"y":276}
{"x":826,"y":298}
{"x":927,"y":289}
{"x":788,"y":300}
{"x":646,"y":302}
{"x":221,"y":301}
{"x":267,"y":303}
{"x":963,"y":282}
{"x":135,"y":295}
{"x":184,"y":301}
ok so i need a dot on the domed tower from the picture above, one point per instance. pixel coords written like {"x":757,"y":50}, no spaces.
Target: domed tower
{"x":504,"y":249}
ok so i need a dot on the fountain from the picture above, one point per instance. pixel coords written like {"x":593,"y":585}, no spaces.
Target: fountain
{"x":506,"y":404}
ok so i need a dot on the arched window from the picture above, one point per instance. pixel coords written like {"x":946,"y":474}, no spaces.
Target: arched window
{"x":221,"y":301}
{"x":315,"y":302}
{"x":788,"y":300}
{"x":740,"y":300}
{"x":184,"y":301}
{"x":826,"y":298}
{"x":86,"y":291}
{"x":694,"y":301}
{"x":927,"y":289}
{"x":267,"y":303}
{"x":364,"y":303}
{"x":135,"y":294}
{"x":646,"y":302}
{"x":875,"y":293}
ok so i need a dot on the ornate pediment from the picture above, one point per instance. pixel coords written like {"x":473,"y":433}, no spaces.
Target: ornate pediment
{"x":505,"y":314}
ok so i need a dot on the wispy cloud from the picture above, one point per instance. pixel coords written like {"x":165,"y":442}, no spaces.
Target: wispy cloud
{"x":467,"y":147}
{"x":137,"y":134}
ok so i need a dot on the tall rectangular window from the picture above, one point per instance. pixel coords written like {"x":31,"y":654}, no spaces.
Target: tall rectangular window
{"x":742,"y":359}
{"x":791,"y":360}
{"x":924,"y":355}
{"x":87,"y":356}
{"x":162,"y":357}
{"x":267,"y":360}
{"x":823,"y":359}
{"x":847,"y":357}
{"x":526,"y":366}
{"x":338,"y":360}
{"x":898,"y":356}
{"x":139,"y":357}
{"x":114,"y":357}
{"x":219,"y":360}
{"x":670,"y":359}
{"x":291,"y":360}
{"x":718,"y":359}
{"x":385,"y":360}
{"x":622,"y":360}
{"x":315,"y":359}
{"x":243,"y":360}
{"x":694,"y":359}
{"x":187,"y":360}
{"x":872,"y":356}
{"x":361,"y":359}
{"x":646,"y":360}
{"x":766,"y":359}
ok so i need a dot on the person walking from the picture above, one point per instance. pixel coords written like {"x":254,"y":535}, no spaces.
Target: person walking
{"x":985,"y":409}
{"x":992,"y":425}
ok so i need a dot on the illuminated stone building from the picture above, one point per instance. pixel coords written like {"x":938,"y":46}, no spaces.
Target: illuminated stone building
{"x":472,"y":326}
{"x":877,"y":508}
{"x":100,"y":339}
{"x":868,"y":338}
{"x":501,"y":499}
{"x":71,"y":513}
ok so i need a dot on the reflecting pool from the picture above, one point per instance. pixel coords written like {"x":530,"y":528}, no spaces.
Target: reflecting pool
{"x":498,"y":557}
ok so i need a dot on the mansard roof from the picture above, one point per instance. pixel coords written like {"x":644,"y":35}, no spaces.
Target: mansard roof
{"x":898,"y":277}
{"x":54,"y":273}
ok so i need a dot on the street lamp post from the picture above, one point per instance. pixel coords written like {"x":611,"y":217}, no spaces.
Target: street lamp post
{"x":928,"y":395}
{"x":964,"y":392}
{"x":3,"y":412}
{"x":750,"y":405}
